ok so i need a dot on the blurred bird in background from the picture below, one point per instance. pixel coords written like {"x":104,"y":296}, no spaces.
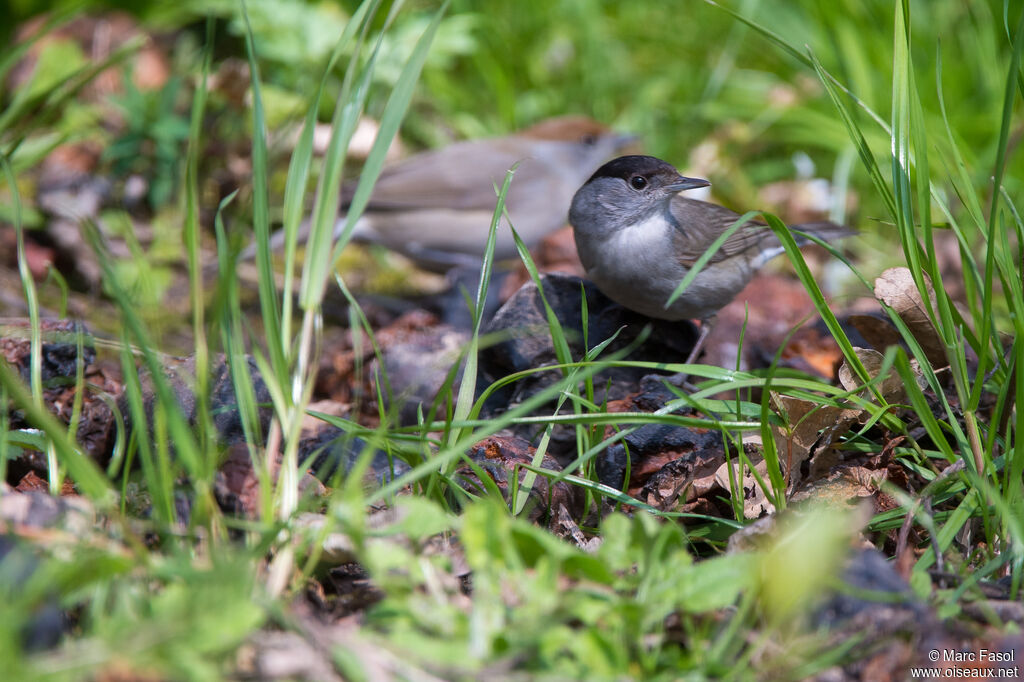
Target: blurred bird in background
{"x":436,"y":207}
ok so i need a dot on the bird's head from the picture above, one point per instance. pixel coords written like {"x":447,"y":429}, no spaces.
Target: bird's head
{"x":627,"y":191}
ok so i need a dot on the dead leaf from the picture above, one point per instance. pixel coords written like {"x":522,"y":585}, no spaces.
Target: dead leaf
{"x":872,"y":361}
{"x":682,"y":480}
{"x":896,"y":288}
{"x":843,"y":486}
{"x":892,"y":387}
{"x":566,"y":528}
{"x":809,"y":430}
{"x":755,"y":503}
{"x":31,"y":482}
{"x":814,"y":348}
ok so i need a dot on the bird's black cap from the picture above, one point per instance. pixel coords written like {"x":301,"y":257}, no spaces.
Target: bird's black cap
{"x":636,"y":164}
{"x":649,"y":172}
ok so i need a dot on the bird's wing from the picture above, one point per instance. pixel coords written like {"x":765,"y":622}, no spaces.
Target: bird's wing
{"x":702,"y":223}
{"x":459,"y":176}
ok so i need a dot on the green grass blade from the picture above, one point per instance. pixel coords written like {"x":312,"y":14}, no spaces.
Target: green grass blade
{"x":192,"y":239}
{"x":394,"y":112}
{"x":707,"y":255}
{"x":300,"y":164}
{"x":86,"y":475}
{"x":467,"y":385}
{"x":261,"y":209}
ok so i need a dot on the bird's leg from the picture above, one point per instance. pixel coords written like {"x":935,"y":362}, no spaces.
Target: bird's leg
{"x":706,"y":325}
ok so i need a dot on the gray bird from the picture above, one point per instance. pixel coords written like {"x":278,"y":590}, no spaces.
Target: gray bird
{"x":638,"y":238}
{"x":436,"y":207}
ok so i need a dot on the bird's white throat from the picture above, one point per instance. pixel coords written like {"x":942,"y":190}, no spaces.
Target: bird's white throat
{"x":653,"y":232}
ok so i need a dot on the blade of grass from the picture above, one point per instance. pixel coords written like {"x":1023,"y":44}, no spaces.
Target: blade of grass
{"x":269,"y":308}
{"x":467,"y":385}
{"x":707,"y":255}
{"x":185,"y":446}
{"x":301,"y":162}
{"x":87,"y":476}
{"x":394,"y":112}
{"x":206,"y":431}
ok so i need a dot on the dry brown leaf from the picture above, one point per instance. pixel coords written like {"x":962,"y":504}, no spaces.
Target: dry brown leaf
{"x":755,"y":503}
{"x":842,"y":486}
{"x":809,"y":428}
{"x":892,"y":387}
{"x":826,"y":459}
{"x":896,"y":288}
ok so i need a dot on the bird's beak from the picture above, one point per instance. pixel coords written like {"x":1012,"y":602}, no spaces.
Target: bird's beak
{"x":686,"y":183}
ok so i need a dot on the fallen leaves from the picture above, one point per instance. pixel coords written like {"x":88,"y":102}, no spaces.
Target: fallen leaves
{"x":897,"y":289}
{"x":810,"y":432}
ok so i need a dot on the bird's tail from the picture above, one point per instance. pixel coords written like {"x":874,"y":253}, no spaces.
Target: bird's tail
{"x":826,"y":231}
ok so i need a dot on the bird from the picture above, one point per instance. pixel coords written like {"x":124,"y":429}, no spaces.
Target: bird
{"x":638,"y":237}
{"x":436,"y":207}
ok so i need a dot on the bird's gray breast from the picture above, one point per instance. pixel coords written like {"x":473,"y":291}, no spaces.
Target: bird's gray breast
{"x":634,"y":266}
{"x":638,"y":267}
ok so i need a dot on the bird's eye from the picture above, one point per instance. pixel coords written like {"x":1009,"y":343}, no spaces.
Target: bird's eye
{"x":638,"y":182}
{"x":588,"y":139}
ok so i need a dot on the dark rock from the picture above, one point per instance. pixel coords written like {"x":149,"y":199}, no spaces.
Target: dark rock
{"x":523,"y":320}
{"x":451,"y":304}
{"x":60,"y":347}
{"x":869,"y":571}
{"x":180,"y":375}
{"x":875,"y":607}
{"x":236,"y":485}
{"x":224,"y":402}
{"x":60,"y":364}
{"x":19,"y":561}
{"x":502,"y":459}
{"x":654,"y":394}
{"x":47,"y":623}
{"x":333,"y":450}
{"x":418,"y":354}
{"x":61,"y":359}
{"x":649,"y":440}
{"x":687,"y":484}
{"x":522,"y":325}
